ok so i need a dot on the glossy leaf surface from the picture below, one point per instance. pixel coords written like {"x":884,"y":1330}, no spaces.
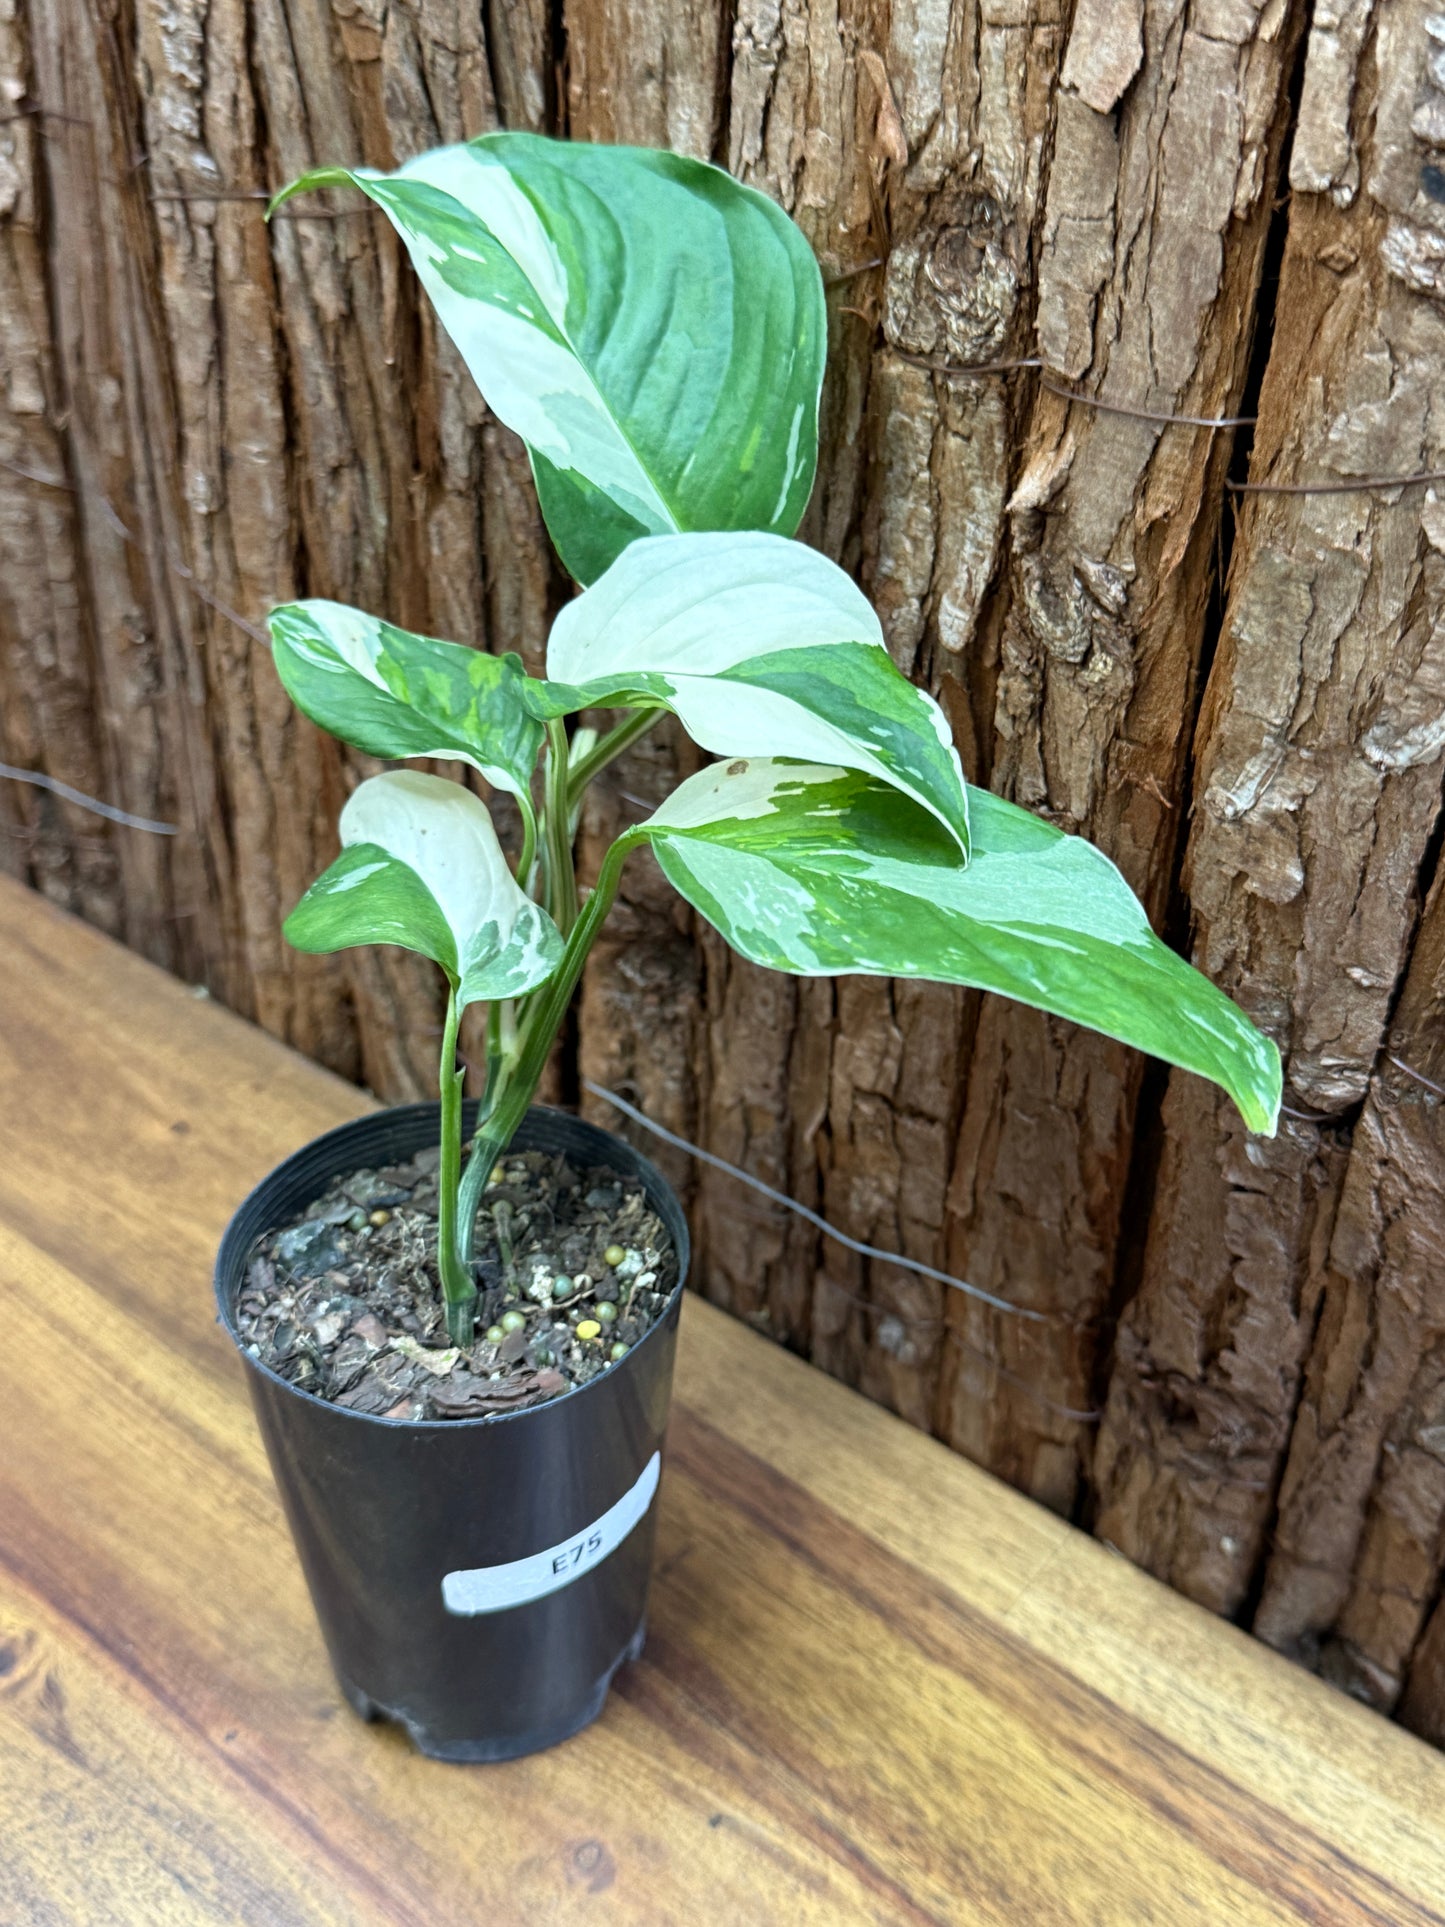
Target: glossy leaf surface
{"x":762,"y":647}
{"x":652,"y":329}
{"x":420,"y":866}
{"x":397,"y":695}
{"x":822,"y":870}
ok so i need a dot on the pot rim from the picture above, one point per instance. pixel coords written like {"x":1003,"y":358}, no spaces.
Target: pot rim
{"x":647,"y":1171}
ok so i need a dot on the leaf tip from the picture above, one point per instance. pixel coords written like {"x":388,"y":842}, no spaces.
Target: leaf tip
{"x":294,"y":929}
{"x":314,"y":177}
{"x":283,"y":622}
{"x":1259,"y":1101}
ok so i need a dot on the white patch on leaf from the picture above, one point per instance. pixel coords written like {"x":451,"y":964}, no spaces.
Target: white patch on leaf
{"x":483,"y":186}
{"x":534,"y":383}
{"x":345,"y":634}
{"x":767,"y":914}
{"x":790,"y":462}
{"x":444,"y":834}
{"x":353,"y":878}
{"x":699,"y":604}
{"x":737,"y":791}
{"x":687,"y":611}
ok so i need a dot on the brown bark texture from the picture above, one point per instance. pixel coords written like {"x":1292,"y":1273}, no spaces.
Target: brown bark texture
{"x":1066,"y":245}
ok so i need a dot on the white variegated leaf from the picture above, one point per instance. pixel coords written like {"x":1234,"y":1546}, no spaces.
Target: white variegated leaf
{"x":420,"y":866}
{"x":761,"y":647}
{"x":822,"y":870}
{"x":397,"y":695}
{"x":651,"y":328}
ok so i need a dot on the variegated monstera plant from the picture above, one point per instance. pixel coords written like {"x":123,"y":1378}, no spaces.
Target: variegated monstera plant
{"x":655,"y":333}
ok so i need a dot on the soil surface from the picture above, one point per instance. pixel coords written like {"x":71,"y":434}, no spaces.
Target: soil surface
{"x":572,"y":1264}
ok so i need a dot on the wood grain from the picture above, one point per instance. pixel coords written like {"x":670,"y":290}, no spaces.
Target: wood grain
{"x":878,"y":1688}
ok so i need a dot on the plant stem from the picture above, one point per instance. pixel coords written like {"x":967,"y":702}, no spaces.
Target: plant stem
{"x":634,"y":725}
{"x":459,"y":1290}
{"x":521,"y":1074}
{"x":556,"y":827}
{"x":494,"y":1054}
{"x":529,"y":842}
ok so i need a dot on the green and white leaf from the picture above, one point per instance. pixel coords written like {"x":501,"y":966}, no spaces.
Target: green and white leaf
{"x":817,"y":870}
{"x":762,"y":647}
{"x":397,"y":695}
{"x":652,"y":329}
{"x":420,"y":866}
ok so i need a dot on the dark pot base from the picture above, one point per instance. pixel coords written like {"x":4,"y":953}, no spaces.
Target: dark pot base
{"x":488,"y":1752}
{"x":477,"y":1581}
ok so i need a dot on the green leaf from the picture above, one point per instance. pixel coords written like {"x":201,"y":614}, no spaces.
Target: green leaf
{"x":817,"y":870}
{"x":762,"y":647}
{"x":420,"y":866}
{"x":397,"y":695}
{"x":652,"y":329}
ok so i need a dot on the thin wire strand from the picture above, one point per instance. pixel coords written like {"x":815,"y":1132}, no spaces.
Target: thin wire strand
{"x":969,"y":370}
{"x":792,"y":1204}
{"x":262,"y":194}
{"x":211,"y":194}
{"x":35,"y":112}
{"x":92,"y":803}
{"x":35,"y":475}
{"x":884,"y":1312}
{"x":199,"y":589}
{"x":851,"y":274}
{"x":1070,"y":1412}
{"x":1365,"y":482}
{"x":1316,"y":1117}
{"x":44,"y":113}
{"x":1146,"y":414}
{"x":1419,"y":1076}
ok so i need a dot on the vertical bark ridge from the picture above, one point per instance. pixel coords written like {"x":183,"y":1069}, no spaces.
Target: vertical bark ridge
{"x":112,"y":398}
{"x":1355,"y":1562}
{"x":809,"y":125}
{"x":274,"y":410}
{"x":1318,"y":789}
{"x":1164,"y":159}
{"x":651,"y":75}
{"x":47,"y":677}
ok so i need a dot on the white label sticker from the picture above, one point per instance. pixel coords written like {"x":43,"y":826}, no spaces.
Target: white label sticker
{"x":491,"y":1589}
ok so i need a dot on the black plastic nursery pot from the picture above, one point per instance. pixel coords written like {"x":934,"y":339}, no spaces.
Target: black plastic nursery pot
{"x":477,"y":1580}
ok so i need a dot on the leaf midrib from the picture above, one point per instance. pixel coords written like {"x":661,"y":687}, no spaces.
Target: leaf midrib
{"x":559,"y":322}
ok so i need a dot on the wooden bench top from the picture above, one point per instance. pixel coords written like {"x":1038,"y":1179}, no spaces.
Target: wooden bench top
{"x":878,"y":1685}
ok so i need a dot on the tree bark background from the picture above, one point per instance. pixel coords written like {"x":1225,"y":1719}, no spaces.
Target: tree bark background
{"x":1175,"y":208}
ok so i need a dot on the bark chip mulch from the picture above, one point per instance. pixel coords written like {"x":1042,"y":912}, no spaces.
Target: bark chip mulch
{"x":572,"y":1264}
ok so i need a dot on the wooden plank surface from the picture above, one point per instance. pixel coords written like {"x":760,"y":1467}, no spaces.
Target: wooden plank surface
{"x":878,"y":1687}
